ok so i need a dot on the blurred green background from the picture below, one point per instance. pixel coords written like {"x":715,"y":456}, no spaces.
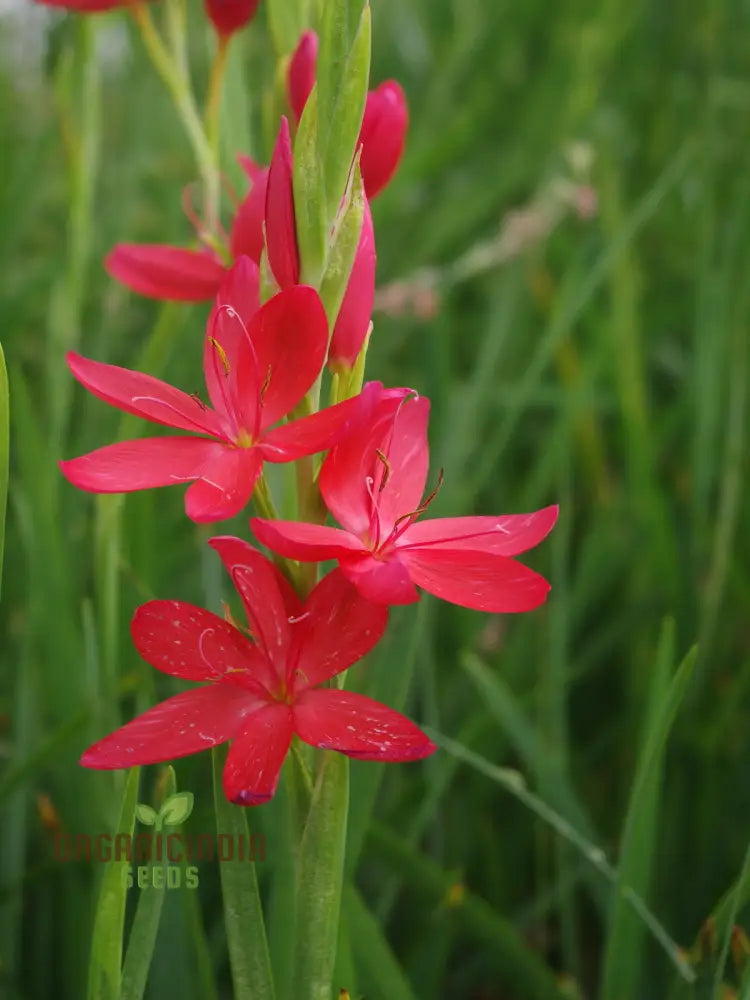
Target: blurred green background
{"x":563,"y":269}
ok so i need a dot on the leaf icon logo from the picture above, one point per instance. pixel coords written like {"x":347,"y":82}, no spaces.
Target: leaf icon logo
{"x":174,"y":810}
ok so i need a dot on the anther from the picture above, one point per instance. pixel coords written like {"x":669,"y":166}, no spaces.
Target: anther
{"x":386,"y":469}
{"x":221,"y":352}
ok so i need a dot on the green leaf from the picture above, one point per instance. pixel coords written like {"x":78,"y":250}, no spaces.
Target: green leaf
{"x":343,"y":247}
{"x":145,"y":927}
{"x":243,"y":914}
{"x":319,"y":881}
{"x":372,"y":952}
{"x":622,"y":959}
{"x":309,"y":207}
{"x":109,"y":921}
{"x":145,"y":814}
{"x":339,"y":147}
{"x":176,"y":808}
{"x":4,"y":453}
{"x":287,"y":19}
{"x":515,"y":783}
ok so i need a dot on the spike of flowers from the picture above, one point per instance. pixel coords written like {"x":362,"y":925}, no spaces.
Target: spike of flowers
{"x":385,"y":123}
{"x":258,"y":365}
{"x":373,"y":482}
{"x":261,"y":692}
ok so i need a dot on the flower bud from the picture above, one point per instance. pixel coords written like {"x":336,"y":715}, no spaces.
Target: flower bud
{"x":246,"y":236}
{"x":301,"y":73}
{"x":382,"y":135}
{"x":353,"y":320}
{"x":228,"y":16}
{"x":281,"y":234}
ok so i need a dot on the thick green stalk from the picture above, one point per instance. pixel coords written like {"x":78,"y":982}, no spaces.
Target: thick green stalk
{"x":320,"y":875}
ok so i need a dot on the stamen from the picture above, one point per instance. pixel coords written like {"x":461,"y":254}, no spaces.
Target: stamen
{"x":170,"y":406}
{"x":402,"y":523}
{"x":204,"y":634}
{"x":386,"y":469}
{"x":199,"y":401}
{"x":221,"y":352}
{"x":264,"y":387}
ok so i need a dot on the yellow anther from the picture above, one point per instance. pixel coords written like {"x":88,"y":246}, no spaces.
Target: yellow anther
{"x":221,"y":352}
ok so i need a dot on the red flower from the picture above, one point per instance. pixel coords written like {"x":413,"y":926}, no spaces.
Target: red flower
{"x":281,"y":233}
{"x":385,"y":122}
{"x":383,"y":135}
{"x":228,"y":16}
{"x":264,"y":690}
{"x":300,"y":78}
{"x":258,"y":365}
{"x":161,"y":271}
{"x":353,"y":320}
{"x":373,"y":482}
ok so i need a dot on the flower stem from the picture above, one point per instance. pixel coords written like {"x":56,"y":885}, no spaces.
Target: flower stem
{"x":319,"y":881}
{"x":173,"y":77}
{"x":215,"y":88}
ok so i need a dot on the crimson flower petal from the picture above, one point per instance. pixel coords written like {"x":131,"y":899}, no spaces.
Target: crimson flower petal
{"x":139,"y":465}
{"x":267,"y":596}
{"x":480,"y":580}
{"x":347,"y":474}
{"x":225,"y":484}
{"x":399,"y":485}
{"x":505,"y":535}
{"x":311,"y":434}
{"x":165,"y":272}
{"x":353,"y":320}
{"x":300,"y":77}
{"x":246,"y":236}
{"x":384,"y":582}
{"x":189,"y":642}
{"x":337,"y":627}
{"x":382,"y":135}
{"x":307,"y":542}
{"x":358,"y":726}
{"x":143,"y":395}
{"x":187,"y":723}
{"x":290,"y":337}
{"x":281,"y":233}
{"x":228,"y":16}
{"x":230,"y":363}
{"x":251,"y":772}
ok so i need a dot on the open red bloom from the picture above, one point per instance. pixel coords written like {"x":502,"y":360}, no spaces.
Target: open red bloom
{"x":161,"y":271}
{"x":258,"y":365}
{"x":373,"y":482}
{"x":261,"y":690}
{"x":386,"y":117}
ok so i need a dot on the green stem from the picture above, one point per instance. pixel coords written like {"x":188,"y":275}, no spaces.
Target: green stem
{"x":215,"y":88}
{"x":320,"y":876}
{"x":178,"y":86}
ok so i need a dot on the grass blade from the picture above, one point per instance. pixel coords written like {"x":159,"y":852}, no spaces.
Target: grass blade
{"x":622,"y":960}
{"x":245,"y":928}
{"x":109,"y":922}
